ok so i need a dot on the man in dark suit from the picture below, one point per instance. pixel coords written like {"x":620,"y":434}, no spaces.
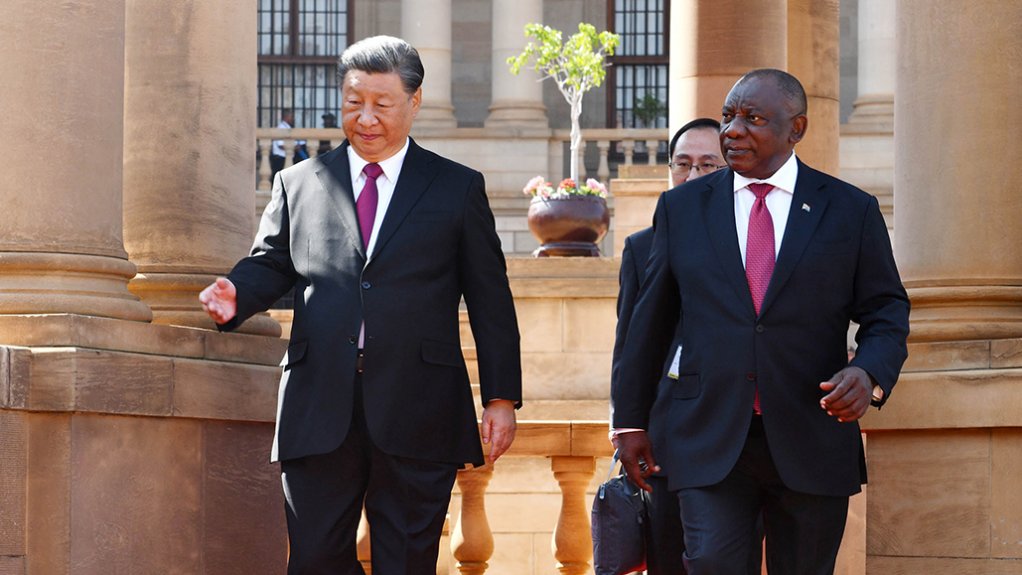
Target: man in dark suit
{"x":380,"y":239}
{"x":695,"y":152}
{"x":761,"y":412}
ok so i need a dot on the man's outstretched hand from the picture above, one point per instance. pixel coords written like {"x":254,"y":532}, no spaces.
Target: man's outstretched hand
{"x":220,"y":300}
{"x":633,"y":447}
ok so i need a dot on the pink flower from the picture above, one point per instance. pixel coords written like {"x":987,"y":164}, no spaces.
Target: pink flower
{"x":596,"y":187}
{"x":539,"y":187}
{"x":534,"y":186}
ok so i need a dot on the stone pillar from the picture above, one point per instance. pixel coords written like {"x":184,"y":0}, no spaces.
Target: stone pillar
{"x":877,"y":47}
{"x":867,"y":140}
{"x":427,"y":27}
{"x":943,"y":491}
{"x":189,"y":151}
{"x":517,"y":100}
{"x":958,"y":228}
{"x":703,"y":68}
{"x":61,"y":249}
{"x":813,"y":58}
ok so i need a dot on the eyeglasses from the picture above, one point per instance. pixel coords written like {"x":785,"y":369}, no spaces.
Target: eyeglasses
{"x":685,"y":167}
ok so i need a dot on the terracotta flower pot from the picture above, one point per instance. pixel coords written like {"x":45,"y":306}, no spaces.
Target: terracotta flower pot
{"x":569,"y":226}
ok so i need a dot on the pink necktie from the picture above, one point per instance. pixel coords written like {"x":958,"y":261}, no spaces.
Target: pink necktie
{"x":367,"y":200}
{"x":759,"y":253}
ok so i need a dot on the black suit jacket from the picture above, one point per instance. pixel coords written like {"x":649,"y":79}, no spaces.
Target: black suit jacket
{"x":835,"y":265}
{"x":436,"y":244}
{"x":634,"y":258}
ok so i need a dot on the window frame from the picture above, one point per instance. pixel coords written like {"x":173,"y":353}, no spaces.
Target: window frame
{"x":293,"y":60}
{"x":624,"y":60}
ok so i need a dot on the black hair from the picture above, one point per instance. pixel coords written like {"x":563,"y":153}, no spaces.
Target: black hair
{"x":788,"y":84}
{"x":707,"y":123}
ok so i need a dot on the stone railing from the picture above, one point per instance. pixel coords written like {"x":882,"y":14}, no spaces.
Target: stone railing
{"x":603,"y":151}
{"x":573,"y":448}
{"x":613,"y":148}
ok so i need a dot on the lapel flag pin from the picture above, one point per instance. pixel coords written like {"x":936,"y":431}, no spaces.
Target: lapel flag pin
{"x":805,"y":208}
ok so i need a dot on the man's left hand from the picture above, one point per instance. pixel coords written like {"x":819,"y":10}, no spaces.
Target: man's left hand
{"x":849,"y":394}
{"x":498,"y":429}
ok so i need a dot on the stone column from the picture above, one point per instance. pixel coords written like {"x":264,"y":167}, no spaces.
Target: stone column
{"x":703,"y":68}
{"x":813,"y":58}
{"x":61,"y":100}
{"x":957,"y":227}
{"x":943,"y":484}
{"x":189,"y":151}
{"x":517,"y":100}
{"x":427,"y":27}
{"x":867,"y":140}
{"x":877,"y":47}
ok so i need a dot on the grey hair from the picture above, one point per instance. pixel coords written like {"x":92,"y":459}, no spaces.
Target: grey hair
{"x":382,"y":55}
{"x":788,"y":84}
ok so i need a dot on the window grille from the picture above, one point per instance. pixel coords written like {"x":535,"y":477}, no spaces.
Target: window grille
{"x":638,"y":80}
{"x":298,"y":45}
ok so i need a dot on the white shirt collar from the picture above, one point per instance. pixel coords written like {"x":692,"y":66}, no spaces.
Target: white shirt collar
{"x":391,"y":166}
{"x":783,"y":179}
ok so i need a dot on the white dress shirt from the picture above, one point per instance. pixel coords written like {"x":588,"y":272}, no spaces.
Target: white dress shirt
{"x":778,"y":201}
{"x":384,"y":185}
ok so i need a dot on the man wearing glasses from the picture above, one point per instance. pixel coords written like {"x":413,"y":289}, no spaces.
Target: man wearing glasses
{"x":695,"y":152}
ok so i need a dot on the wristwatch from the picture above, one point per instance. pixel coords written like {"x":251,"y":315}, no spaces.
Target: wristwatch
{"x":878,"y":396}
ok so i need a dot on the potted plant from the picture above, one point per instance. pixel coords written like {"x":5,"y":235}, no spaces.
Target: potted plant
{"x":576,"y":66}
{"x":567,"y":220}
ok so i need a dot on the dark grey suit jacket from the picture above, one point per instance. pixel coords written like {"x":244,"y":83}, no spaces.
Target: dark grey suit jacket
{"x":436,"y":244}
{"x":835,"y":265}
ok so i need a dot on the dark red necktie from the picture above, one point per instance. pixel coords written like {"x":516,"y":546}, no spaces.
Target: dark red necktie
{"x":367,"y":200}
{"x":759,"y":246}
{"x":759,"y":252}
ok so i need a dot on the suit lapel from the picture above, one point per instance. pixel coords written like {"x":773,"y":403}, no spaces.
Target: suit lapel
{"x":808,"y":204}
{"x":417,"y":173}
{"x":720,"y":218}
{"x":335,"y":177}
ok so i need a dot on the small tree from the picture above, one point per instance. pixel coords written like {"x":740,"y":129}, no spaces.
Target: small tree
{"x":576,"y":66}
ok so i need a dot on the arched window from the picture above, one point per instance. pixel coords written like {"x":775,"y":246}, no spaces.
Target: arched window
{"x":299,"y":42}
{"x":638,"y":79}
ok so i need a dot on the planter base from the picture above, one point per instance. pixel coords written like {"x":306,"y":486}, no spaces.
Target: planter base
{"x":571,"y":249}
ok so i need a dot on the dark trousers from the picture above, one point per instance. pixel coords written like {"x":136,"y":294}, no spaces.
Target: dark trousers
{"x":405,"y":502}
{"x":803,"y":531}
{"x":276,"y":165}
{"x":665,"y":548}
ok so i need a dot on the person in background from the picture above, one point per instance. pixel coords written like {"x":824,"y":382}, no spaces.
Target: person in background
{"x":695,"y":152}
{"x":329,"y":121}
{"x":381,"y":240}
{"x":756,"y":273}
{"x":277,"y":156}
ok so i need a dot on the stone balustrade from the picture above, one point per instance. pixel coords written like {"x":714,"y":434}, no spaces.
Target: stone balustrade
{"x":628,"y":147}
{"x":573,"y":449}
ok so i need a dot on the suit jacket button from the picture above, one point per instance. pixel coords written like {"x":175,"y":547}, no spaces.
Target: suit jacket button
{"x":760,"y":328}
{"x":366,"y":285}
{"x":751,"y":376}
{"x":352,"y":340}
